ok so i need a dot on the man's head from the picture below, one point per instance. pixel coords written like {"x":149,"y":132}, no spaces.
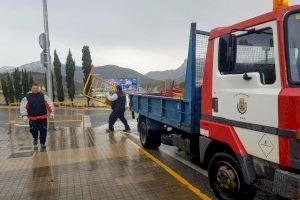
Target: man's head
{"x":119,"y":88}
{"x":35,"y":88}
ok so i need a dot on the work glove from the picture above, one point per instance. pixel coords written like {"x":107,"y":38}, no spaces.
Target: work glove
{"x":25,"y":119}
{"x":52,"y":115}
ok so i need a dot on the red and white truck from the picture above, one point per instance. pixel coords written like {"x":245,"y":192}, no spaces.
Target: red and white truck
{"x":244,"y":120}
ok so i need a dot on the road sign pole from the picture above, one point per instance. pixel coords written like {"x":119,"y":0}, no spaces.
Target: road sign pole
{"x":47,"y":51}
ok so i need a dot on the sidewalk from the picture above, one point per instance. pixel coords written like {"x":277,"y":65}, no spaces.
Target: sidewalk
{"x":81,"y":164}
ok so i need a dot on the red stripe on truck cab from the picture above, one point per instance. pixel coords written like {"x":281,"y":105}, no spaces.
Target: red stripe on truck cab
{"x":289,"y":119}
{"x":206,"y":96}
{"x":284,"y":151}
{"x":224,"y":133}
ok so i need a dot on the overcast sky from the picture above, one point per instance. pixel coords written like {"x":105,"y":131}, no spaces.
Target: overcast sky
{"x":144,"y":35}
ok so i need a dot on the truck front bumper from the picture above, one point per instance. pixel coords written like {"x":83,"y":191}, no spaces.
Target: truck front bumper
{"x":286,"y":184}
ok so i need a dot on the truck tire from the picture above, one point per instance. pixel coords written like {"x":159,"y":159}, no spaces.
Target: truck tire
{"x":149,"y":139}
{"x":226,"y":178}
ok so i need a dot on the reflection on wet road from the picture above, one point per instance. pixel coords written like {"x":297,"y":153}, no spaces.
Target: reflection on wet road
{"x":90,"y":164}
{"x":81,"y":164}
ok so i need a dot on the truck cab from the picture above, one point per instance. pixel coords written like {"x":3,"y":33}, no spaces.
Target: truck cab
{"x":244,"y":120}
{"x":252,"y":95}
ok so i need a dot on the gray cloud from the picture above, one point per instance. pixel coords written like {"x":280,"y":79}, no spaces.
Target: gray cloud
{"x":141,"y":34}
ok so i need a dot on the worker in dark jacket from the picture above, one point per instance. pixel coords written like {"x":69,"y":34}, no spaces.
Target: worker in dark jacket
{"x":35,"y":108}
{"x":118,"y":100}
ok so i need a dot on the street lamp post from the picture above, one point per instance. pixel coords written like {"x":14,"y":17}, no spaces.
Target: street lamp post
{"x":47,"y":51}
{"x":45,"y":55}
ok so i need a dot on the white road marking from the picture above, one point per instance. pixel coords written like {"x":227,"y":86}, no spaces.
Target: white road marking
{"x":132,"y":123}
{"x":186,"y":162}
{"x":178,"y":158}
{"x":21,"y":125}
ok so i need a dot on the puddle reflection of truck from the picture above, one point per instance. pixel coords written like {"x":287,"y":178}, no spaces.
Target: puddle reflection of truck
{"x":244,"y":121}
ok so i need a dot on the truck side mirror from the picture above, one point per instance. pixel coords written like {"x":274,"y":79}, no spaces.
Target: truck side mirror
{"x":227,"y":52}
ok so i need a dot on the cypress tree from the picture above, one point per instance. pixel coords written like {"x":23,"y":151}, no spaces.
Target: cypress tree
{"x":25,"y":82}
{"x":22,"y":82}
{"x":58,"y":76}
{"x":30,"y":80}
{"x":53,"y":88}
{"x":86,"y":67}
{"x":11,"y":91}
{"x":5,"y":90}
{"x":70,"y":70}
{"x":17,"y":84}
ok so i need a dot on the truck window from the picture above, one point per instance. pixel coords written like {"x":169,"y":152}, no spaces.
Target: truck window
{"x":255,"y":53}
{"x":293,"y":47}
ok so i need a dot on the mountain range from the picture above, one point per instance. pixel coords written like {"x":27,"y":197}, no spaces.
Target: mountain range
{"x":175,"y":74}
{"x":106,"y":71}
{"x":178,"y":74}
{"x":110,"y":71}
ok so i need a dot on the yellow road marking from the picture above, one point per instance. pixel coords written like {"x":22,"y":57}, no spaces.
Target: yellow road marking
{"x":182,"y":180}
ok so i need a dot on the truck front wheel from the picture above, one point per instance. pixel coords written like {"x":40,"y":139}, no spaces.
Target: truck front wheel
{"x":149,"y":139}
{"x":226,"y":178}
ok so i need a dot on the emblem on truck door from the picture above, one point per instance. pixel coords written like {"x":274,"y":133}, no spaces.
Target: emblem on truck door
{"x":242,"y":105}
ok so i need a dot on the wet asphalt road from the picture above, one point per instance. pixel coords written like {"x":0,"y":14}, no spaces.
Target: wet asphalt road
{"x":3,"y":117}
{"x":100,"y":117}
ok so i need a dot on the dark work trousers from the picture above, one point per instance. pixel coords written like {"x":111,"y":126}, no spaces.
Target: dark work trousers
{"x":39,"y":126}
{"x":114,"y":116}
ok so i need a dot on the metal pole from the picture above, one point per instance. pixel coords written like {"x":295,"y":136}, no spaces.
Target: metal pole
{"x":48,"y":58}
{"x":48,"y":63}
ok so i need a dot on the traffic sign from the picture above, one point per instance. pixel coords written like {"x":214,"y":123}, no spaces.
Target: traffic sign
{"x":42,"y":41}
{"x":44,"y":60}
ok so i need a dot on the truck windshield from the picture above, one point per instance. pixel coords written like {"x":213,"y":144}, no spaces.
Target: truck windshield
{"x":293,"y":47}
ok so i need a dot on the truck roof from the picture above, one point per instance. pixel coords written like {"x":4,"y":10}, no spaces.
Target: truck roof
{"x":273,"y":15}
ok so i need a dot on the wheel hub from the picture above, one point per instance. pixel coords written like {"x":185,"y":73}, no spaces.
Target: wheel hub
{"x":227,"y":179}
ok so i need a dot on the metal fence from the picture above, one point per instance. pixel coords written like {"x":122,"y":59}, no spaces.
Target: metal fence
{"x":65,"y":112}
{"x":201,"y":50}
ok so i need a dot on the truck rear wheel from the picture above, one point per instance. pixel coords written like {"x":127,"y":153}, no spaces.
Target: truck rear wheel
{"x":149,"y":139}
{"x":226,"y":178}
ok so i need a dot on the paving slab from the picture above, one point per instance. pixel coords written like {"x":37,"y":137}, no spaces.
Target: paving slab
{"x":81,"y":164}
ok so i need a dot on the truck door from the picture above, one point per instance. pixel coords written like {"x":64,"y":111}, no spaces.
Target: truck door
{"x":247,"y":96}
